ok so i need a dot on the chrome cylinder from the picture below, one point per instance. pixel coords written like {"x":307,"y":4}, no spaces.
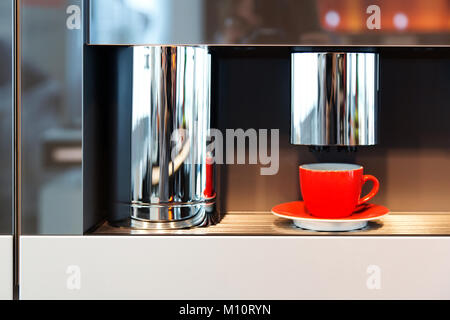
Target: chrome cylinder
{"x":334,"y":98}
{"x":172,"y":181}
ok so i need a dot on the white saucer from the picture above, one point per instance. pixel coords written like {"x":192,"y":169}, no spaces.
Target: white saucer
{"x":330,"y":226}
{"x":296,"y":212}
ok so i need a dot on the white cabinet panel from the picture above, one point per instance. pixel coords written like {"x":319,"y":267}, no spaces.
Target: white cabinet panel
{"x":6,"y":267}
{"x":155,"y":267}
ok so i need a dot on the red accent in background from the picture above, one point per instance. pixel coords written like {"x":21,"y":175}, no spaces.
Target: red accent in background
{"x":424,"y":16}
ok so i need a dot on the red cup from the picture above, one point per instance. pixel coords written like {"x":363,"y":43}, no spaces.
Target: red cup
{"x":333,"y":190}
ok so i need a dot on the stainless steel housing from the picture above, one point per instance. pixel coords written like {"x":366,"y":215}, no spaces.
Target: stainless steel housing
{"x":334,"y":98}
{"x":172,"y":183}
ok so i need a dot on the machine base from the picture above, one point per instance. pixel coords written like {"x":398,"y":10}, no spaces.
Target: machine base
{"x":170,"y":217}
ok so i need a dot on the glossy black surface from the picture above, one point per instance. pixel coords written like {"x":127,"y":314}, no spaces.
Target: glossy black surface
{"x":253,"y":91}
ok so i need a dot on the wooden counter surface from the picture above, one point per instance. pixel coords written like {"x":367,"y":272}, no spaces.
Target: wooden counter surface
{"x":266,"y":224}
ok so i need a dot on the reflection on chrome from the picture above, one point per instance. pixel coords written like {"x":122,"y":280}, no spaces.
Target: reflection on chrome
{"x":334,"y":99}
{"x":171,"y":179}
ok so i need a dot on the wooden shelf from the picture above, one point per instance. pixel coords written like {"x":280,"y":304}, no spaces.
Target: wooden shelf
{"x":266,"y":224}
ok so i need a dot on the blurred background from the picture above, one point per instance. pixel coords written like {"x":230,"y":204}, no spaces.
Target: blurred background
{"x":51,"y":118}
{"x":268,"y":22}
{"x":6,"y":105}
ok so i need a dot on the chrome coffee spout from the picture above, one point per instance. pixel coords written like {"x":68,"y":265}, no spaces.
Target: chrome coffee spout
{"x":334,"y":98}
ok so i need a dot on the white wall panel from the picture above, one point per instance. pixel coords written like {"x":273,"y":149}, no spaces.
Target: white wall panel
{"x":155,"y":267}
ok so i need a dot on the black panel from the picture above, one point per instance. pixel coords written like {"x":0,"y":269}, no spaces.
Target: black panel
{"x":251,"y":89}
{"x":107,"y":121}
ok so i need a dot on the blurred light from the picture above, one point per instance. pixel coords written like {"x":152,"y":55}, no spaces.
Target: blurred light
{"x":67,"y":154}
{"x":332,"y":19}
{"x":142,"y":5}
{"x":401,"y":21}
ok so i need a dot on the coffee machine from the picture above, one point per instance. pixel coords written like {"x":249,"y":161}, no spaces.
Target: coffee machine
{"x":334,"y":99}
{"x":134,"y":177}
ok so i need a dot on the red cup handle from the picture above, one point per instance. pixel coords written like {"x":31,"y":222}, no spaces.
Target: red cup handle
{"x":373,"y":192}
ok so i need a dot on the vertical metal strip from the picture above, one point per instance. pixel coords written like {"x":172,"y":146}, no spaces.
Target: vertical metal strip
{"x":86,"y":16}
{"x":17,"y":156}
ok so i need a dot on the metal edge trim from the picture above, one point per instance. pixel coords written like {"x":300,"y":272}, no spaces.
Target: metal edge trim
{"x":17,"y":155}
